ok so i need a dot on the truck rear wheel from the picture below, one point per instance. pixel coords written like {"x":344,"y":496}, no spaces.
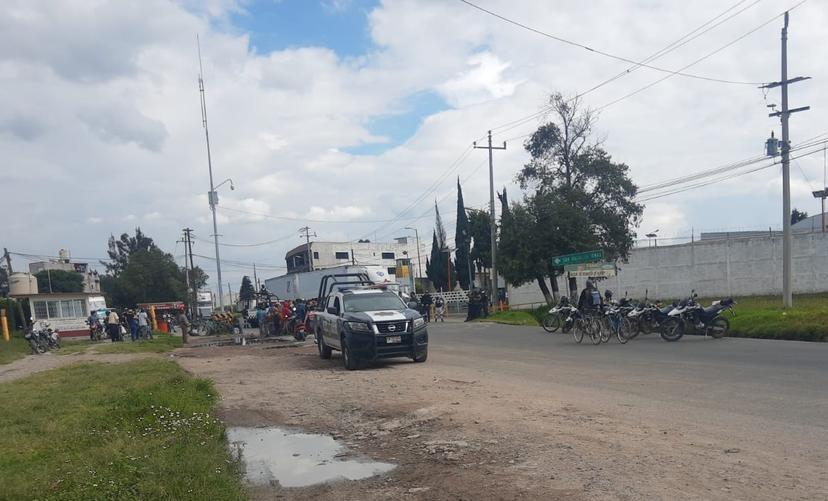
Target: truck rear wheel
{"x":350,"y":362}
{"x":324,"y":350}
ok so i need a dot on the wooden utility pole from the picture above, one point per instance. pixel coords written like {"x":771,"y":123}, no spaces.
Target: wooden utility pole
{"x":492,"y":217}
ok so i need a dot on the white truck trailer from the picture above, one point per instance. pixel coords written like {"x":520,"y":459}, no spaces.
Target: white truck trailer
{"x":305,"y":285}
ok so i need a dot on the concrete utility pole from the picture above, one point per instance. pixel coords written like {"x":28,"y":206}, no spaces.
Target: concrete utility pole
{"x":492,"y":218}
{"x":784,"y":115}
{"x":417,"y":238}
{"x":823,"y":193}
{"x":306,"y":232}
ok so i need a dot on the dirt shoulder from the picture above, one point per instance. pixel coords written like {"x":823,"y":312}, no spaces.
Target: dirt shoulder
{"x":494,"y":430}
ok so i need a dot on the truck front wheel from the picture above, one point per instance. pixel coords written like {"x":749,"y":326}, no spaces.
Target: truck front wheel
{"x":422,"y":357}
{"x":350,"y":362}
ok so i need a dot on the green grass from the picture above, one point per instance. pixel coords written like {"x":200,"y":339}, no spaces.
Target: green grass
{"x":756,"y":317}
{"x":159,"y":344}
{"x":139,"y":430}
{"x":513,"y":317}
{"x":16,"y":348}
{"x":764,"y":317}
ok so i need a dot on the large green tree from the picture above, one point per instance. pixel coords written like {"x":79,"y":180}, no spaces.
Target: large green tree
{"x":576,"y":197}
{"x":462,"y":241}
{"x":4,"y":281}
{"x":119,"y":250}
{"x":149,"y":276}
{"x":481,"y":232}
{"x":59,"y":281}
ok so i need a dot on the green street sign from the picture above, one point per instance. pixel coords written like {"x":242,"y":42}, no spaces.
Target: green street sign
{"x":580,"y":257}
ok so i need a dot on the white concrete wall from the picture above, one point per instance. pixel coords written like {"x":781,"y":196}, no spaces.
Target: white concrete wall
{"x":729,"y":267}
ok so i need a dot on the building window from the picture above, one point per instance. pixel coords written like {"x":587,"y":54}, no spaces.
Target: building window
{"x":392,"y":271}
{"x":40,"y":310}
{"x":67,"y":309}
{"x":342,"y":255}
{"x":315,"y":255}
{"x":80,"y":308}
{"x":53,"y":308}
{"x":388,"y":255}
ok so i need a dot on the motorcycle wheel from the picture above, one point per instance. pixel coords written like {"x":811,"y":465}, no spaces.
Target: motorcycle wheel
{"x":634,"y":328}
{"x":672,"y":330}
{"x":719,"y":327}
{"x":566,"y":326}
{"x":551,"y":323}
{"x":605,"y":327}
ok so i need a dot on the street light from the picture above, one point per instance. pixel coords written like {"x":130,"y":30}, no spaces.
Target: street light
{"x":212,"y":197}
{"x":653,"y":235}
{"x":822,"y":194}
{"x":417,"y":236}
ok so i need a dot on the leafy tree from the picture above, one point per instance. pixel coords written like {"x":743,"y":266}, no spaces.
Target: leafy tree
{"x":61,"y":281}
{"x":481,"y":233}
{"x":120,"y":250}
{"x":4,"y":281}
{"x":462,"y":241}
{"x":798,"y":215}
{"x":246,"y":291}
{"x":579,"y":199}
{"x":149,"y":276}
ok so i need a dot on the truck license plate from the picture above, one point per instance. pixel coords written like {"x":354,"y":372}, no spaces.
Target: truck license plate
{"x":393,"y":339}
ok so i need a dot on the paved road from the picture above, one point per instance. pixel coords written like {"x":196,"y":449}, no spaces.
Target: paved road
{"x":780,"y":381}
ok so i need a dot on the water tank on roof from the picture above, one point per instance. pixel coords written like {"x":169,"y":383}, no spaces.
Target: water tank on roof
{"x":22,"y":284}
{"x":63,"y":254}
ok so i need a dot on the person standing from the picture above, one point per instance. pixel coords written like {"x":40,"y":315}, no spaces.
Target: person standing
{"x":184,"y":322}
{"x":113,"y":325}
{"x":144,"y":330}
{"x":425,"y":306}
{"x":439,"y":309}
{"x":132,"y":322}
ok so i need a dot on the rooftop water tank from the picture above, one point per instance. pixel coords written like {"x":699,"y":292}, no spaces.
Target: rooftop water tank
{"x":22,"y":284}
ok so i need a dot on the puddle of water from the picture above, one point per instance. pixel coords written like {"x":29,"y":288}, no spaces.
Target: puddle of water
{"x":297,"y":459}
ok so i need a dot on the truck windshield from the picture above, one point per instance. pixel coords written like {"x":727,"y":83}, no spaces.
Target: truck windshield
{"x":373,"y":302}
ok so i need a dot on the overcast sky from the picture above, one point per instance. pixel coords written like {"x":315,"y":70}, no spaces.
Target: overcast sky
{"x":352,"y":111}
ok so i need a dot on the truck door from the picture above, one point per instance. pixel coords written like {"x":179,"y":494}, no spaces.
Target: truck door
{"x":331,"y":323}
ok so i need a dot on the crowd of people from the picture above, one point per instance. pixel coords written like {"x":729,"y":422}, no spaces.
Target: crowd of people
{"x":133,"y":322}
{"x":283,"y":317}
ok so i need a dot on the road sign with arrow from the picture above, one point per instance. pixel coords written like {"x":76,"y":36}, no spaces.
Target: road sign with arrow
{"x":580,"y":257}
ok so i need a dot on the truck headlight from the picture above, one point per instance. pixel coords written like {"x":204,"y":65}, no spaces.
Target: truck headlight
{"x":359,"y":327}
{"x":418,"y":322}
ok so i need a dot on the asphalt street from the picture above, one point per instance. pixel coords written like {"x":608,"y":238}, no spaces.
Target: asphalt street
{"x":785,"y":382}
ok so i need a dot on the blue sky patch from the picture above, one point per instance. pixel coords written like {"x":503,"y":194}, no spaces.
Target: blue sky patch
{"x":399,"y":127}
{"x":280,"y":24}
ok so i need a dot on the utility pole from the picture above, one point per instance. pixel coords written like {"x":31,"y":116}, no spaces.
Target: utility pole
{"x":492,"y":218}
{"x":255,"y":278}
{"x":188,"y":251}
{"x":417,"y":237}
{"x":784,"y":115}
{"x":823,"y":193}
{"x":212,"y":196}
{"x":230,"y":291}
{"x":306,"y":232}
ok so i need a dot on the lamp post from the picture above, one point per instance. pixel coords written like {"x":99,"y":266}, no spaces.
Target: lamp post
{"x":417,"y":236}
{"x":653,"y":235}
{"x":212,"y":197}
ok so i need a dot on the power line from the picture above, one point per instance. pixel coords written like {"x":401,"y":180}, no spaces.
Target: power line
{"x":710,"y":54}
{"x":688,"y":37}
{"x":260,"y":244}
{"x":604,"y":53}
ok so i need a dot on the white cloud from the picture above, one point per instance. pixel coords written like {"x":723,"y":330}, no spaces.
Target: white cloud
{"x":108,"y":111}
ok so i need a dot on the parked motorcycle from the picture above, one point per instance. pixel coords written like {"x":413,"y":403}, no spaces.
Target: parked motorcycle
{"x":690,"y":315}
{"x":33,"y":338}
{"x":50,"y":338}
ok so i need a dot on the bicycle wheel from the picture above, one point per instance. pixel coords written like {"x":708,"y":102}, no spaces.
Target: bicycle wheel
{"x":606,"y":328}
{"x":623,"y":330}
{"x":551,"y":323}
{"x":672,"y":329}
{"x":594,"y":331}
{"x":578,"y":331}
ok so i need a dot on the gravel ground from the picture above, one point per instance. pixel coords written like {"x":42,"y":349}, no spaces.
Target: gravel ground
{"x":467,"y":426}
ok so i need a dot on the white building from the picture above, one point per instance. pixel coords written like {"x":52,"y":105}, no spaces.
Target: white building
{"x":331,"y":254}
{"x":91,"y":279}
